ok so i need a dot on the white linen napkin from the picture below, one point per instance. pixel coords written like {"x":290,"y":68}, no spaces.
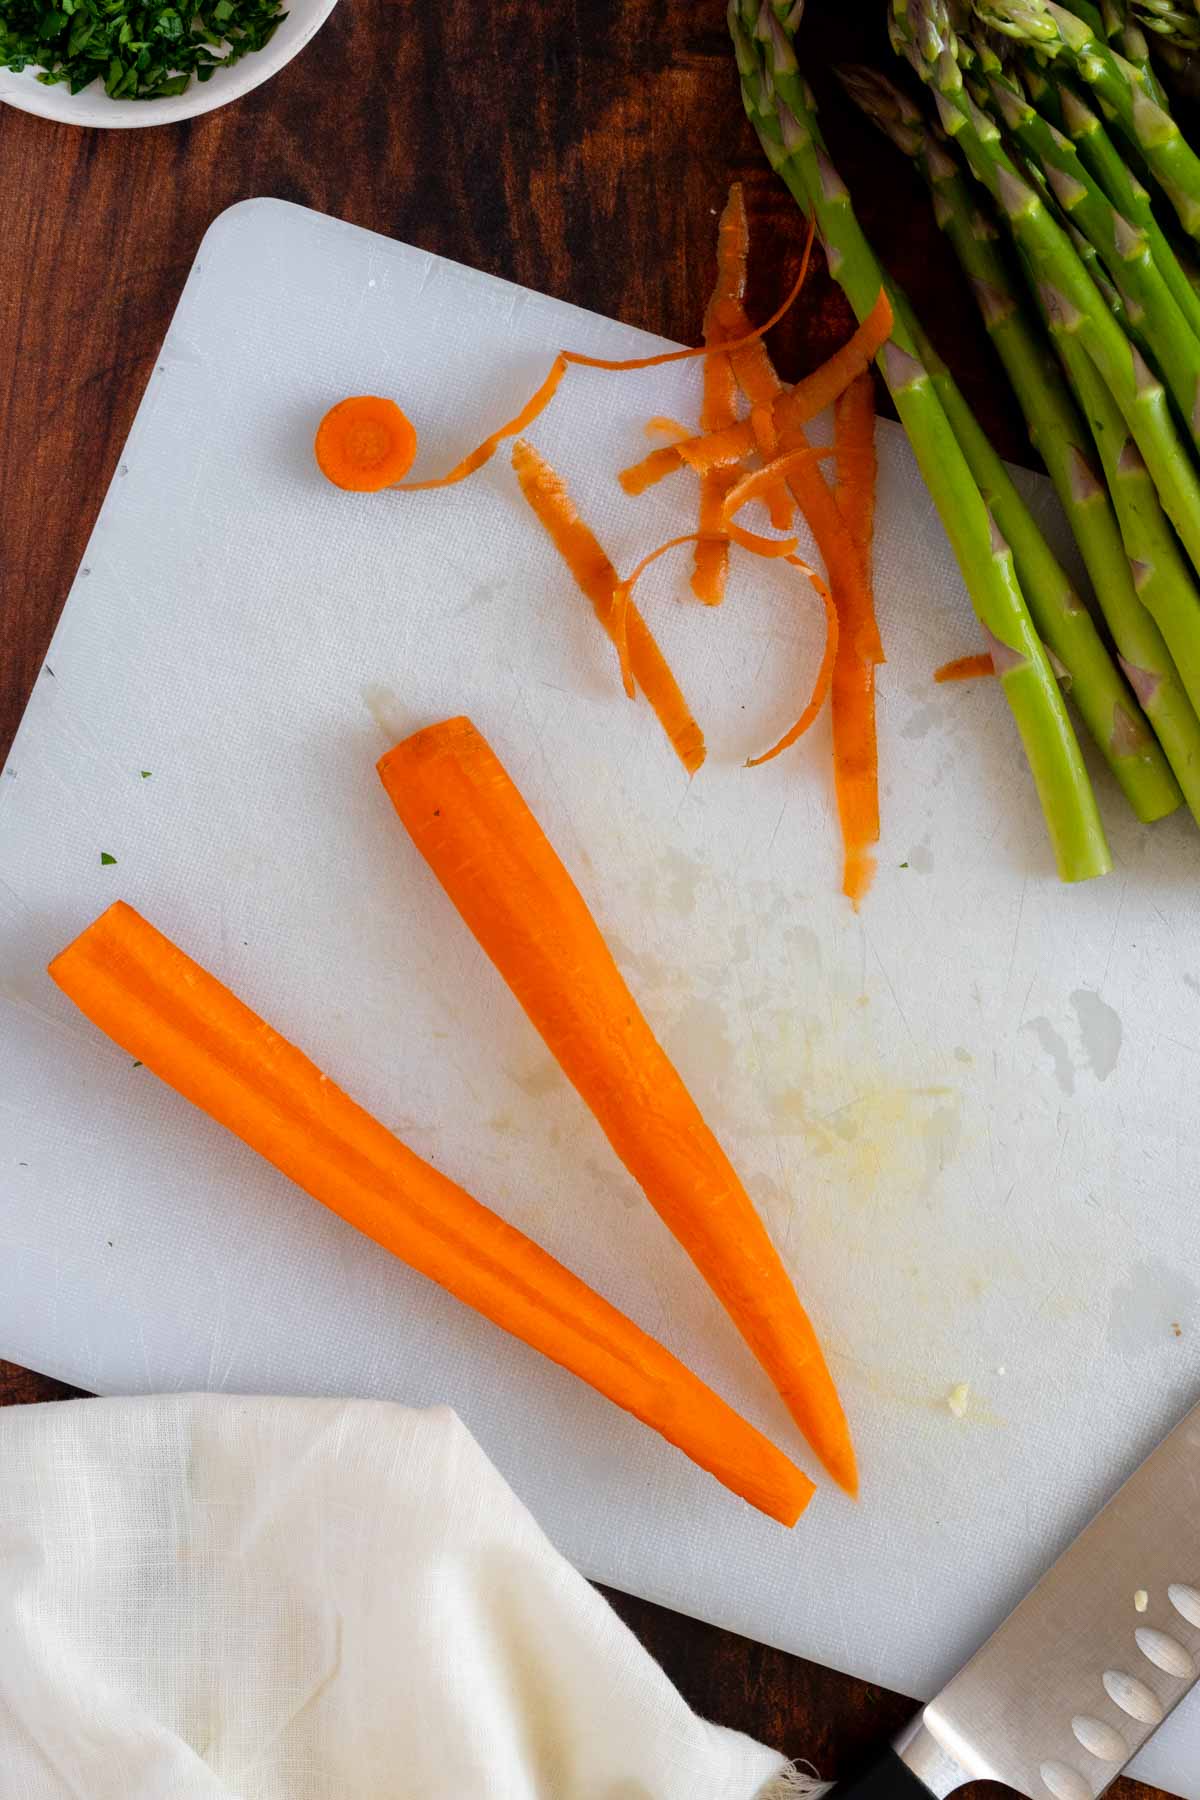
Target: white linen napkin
{"x":204,"y":1597}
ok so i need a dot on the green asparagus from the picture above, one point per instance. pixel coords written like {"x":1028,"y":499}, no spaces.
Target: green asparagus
{"x":1061,"y":436}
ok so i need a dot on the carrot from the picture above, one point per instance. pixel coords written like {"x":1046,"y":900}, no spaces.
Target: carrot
{"x":642,"y":660}
{"x":966,"y":668}
{"x":468,"y":820}
{"x":718,"y":406}
{"x":855,"y":741}
{"x":541,"y":398}
{"x":365,"y":444}
{"x":199,"y":1038}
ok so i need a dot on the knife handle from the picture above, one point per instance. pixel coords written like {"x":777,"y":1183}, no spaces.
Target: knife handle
{"x":887,"y":1778}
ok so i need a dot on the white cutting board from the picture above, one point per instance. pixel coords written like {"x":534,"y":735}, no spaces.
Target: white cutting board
{"x":969,"y":1114}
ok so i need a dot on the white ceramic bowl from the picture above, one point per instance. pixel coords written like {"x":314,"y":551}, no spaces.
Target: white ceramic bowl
{"x":93,"y":106}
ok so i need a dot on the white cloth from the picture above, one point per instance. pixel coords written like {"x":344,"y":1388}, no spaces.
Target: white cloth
{"x":211,"y":1598}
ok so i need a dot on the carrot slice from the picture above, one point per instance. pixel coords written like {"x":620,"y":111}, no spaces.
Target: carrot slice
{"x":472,"y":826}
{"x":966,"y":668}
{"x":824,"y":674}
{"x":718,"y":407}
{"x":594,"y":573}
{"x":540,"y":400}
{"x":198,"y":1037}
{"x":365,"y":443}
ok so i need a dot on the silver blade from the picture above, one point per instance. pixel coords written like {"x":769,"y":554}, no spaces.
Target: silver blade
{"x":1089,"y":1665}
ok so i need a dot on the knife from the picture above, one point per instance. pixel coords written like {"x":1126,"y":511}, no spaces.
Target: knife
{"x":1088,"y":1666}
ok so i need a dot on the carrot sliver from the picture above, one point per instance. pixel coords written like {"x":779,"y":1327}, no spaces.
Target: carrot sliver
{"x":710,"y":570}
{"x":966,"y":668}
{"x":198,"y":1037}
{"x":482,"y":453}
{"x":824,"y":679}
{"x":779,"y":503}
{"x":594,"y":573}
{"x":718,"y":406}
{"x":842,"y":524}
{"x":820,"y":389}
{"x":468,"y":820}
{"x":665,"y":427}
{"x":653,"y":468}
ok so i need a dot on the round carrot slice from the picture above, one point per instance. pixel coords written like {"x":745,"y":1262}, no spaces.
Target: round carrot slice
{"x":365,"y":443}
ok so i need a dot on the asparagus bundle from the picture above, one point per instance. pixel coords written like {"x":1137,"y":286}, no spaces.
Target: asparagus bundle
{"x":1063,"y":183}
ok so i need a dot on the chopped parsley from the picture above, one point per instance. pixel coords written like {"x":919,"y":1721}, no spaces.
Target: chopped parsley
{"x":106,"y":861}
{"x":139,"y":51}
{"x":145,"y":774}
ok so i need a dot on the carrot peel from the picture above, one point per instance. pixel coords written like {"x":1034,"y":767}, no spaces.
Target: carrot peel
{"x":470,"y":823}
{"x":824,"y":674}
{"x":198,"y":1037}
{"x":966,"y":668}
{"x":594,"y":573}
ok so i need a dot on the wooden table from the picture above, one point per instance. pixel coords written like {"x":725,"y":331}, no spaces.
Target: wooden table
{"x":581,"y":150}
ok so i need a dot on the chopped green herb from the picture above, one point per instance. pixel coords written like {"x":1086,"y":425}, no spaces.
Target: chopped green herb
{"x":138,"y":1065}
{"x":904,"y":865}
{"x":106,"y":861}
{"x":139,"y":49}
{"x":145,"y":774}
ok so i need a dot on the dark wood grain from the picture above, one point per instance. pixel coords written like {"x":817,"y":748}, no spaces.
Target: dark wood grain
{"x":579,"y":149}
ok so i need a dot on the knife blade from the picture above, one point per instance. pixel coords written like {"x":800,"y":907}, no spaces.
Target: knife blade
{"x":1077,"y":1678}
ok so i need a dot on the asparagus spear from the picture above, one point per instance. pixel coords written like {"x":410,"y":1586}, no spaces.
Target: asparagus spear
{"x":1120,"y":87}
{"x":1099,"y":154}
{"x":783,"y":113}
{"x":1164,"y":582}
{"x":1064,"y":283}
{"x":1123,"y":245}
{"x":1061,"y":436}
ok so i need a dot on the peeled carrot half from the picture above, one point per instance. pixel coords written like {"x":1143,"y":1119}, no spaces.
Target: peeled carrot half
{"x":469,"y":821}
{"x":198,"y":1037}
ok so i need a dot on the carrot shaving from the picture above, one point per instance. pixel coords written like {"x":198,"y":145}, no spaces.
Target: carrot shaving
{"x":594,"y":573}
{"x":824,"y":674}
{"x":779,"y":503}
{"x":642,"y":475}
{"x":820,"y":389}
{"x":781,"y":468}
{"x":663,"y":426}
{"x":718,"y":407}
{"x":855,"y":741}
{"x":966,"y":668}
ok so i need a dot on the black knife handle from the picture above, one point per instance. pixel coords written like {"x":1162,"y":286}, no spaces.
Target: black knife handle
{"x":887,"y":1778}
